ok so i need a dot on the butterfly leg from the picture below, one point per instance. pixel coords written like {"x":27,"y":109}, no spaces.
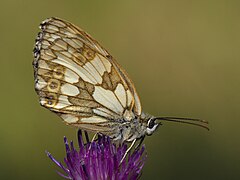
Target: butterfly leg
{"x":95,"y":135}
{"x":130,"y":147}
{"x":140,"y":143}
{"x":86,"y":136}
{"x":93,"y":139}
{"x":81,"y":141}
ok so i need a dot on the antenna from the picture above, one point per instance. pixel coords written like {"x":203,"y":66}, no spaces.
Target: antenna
{"x":191,"y":121}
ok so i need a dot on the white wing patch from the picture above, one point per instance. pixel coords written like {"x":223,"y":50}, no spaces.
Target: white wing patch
{"x":90,"y":68}
{"x":106,"y":63}
{"x":70,"y":76}
{"x":69,"y":118}
{"x":129,"y":98}
{"x":69,"y":89}
{"x":98,"y":65}
{"x":93,"y":119}
{"x":62,"y":102}
{"x":79,"y":109}
{"x":104,"y":112}
{"x":121,"y":94}
{"x":107,"y":99}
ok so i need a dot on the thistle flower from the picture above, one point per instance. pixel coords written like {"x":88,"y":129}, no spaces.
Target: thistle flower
{"x":100,"y":160}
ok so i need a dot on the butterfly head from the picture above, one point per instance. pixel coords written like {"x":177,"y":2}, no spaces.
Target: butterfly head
{"x":152,"y":125}
{"x":154,"y":122}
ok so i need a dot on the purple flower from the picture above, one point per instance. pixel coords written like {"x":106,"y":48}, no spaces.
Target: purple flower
{"x":100,"y":160}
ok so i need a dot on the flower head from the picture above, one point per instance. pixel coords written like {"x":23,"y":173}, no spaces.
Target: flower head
{"x":100,"y":159}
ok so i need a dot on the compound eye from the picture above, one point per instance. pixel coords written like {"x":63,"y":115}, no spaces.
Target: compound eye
{"x":151,"y":127}
{"x":151,"y":124}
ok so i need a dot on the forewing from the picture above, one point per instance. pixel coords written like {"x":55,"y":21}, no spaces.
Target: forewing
{"x":78,"y":79}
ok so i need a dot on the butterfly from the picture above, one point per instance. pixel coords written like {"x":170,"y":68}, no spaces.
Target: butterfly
{"x":78,"y":79}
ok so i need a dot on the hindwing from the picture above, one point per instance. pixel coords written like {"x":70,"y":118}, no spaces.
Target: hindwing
{"x":79,"y":80}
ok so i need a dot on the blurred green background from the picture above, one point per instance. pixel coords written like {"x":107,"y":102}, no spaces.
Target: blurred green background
{"x":183,"y":57}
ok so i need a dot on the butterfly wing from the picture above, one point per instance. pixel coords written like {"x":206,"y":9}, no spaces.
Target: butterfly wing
{"x":79,"y":80}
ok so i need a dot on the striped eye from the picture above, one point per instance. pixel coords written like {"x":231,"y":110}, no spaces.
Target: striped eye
{"x":151,"y":126}
{"x":151,"y":123}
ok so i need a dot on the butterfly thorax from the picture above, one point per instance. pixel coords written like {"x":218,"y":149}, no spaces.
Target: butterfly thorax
{"x":129,"y":130}
{"x":133,"y":129}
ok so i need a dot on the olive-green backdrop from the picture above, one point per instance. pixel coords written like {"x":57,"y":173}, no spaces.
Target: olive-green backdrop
{"x":183,"y":56}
